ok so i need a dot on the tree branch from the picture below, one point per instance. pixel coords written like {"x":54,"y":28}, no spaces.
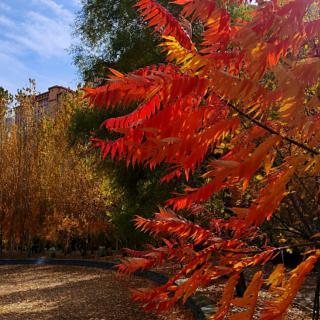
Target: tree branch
{"x":293,"y":246}
{"x":272,"y":131}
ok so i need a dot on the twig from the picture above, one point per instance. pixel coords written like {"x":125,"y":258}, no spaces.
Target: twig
{"x":306,"y":244}
{"x":272,"y":131}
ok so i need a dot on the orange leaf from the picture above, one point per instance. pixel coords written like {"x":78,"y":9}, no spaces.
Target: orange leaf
{"x":249,"y":299}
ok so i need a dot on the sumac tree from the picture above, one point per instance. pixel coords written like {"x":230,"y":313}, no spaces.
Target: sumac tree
{"x":251,"y":86}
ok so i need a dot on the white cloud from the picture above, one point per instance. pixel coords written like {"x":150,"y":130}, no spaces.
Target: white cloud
{"x":15,"y":74}
{"x":47,"y":37}
{"x":5,"y":21}
{"x":4,"y":7}
{"x":76,"y":3}
{"x":37,"y":33}
{"x":56,"y":8}
{"x":11,"y":70}
{"x":10,"y":48}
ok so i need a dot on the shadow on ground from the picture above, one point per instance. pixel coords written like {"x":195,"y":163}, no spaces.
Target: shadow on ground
{"x":61,"y":292}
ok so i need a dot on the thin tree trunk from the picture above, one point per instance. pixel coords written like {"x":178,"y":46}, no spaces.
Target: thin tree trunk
{"x":1,"y":236}
{"x":241,"y":285}
{"x":316,"y":303}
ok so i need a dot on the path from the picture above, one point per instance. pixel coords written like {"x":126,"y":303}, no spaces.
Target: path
{"x":61,"y":292}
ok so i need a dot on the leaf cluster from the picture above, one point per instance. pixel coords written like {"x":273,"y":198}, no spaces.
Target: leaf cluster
{"x":246,"y":86}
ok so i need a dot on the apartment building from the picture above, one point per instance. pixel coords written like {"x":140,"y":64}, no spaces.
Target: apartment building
{"x":50,"y":101}
{"x":47,"y":103}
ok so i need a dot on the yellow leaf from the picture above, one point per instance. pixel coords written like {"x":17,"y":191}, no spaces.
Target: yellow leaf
{"x":259,"y":177}
{"x":116,"y":73}
{"x":276,"y":309}
{"x":277,"y":277}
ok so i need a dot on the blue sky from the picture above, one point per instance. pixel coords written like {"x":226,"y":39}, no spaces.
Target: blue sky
{"x":34,"y":38}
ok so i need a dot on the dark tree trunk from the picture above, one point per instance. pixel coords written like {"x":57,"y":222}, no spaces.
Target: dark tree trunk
{"x":241,"y":285}
{"x":1,"y":249}
{"x":316,"y":303}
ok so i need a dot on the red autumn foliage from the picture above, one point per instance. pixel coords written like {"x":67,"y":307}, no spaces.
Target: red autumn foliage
{"x":245,"y":85}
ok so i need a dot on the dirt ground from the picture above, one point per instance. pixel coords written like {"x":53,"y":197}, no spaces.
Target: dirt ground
{"x":57,"y":292}
{"x":54,"y":292}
